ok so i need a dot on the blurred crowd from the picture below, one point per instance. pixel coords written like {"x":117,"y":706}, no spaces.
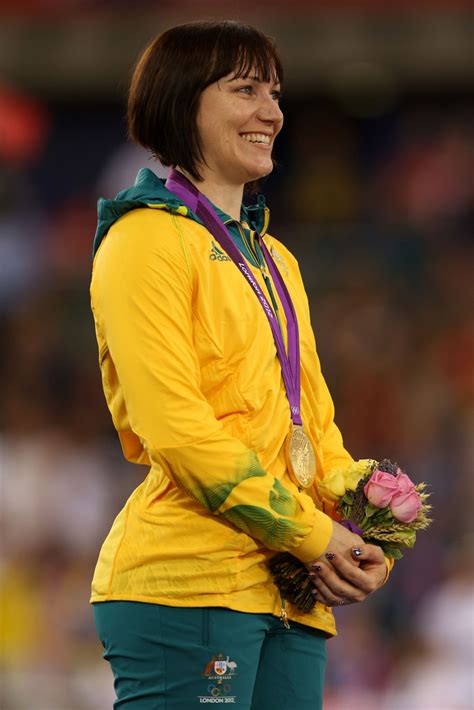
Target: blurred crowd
{"x":379,"y":210}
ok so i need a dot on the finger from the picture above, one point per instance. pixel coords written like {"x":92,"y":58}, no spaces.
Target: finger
{"x":339,"y":567}
{"x":331,"y":581}
{"x":368,"y":553}
{"x":332,"y":576}
{"x":319,"y":597}
{"x":329,"y":599}
{"x":349,"y":557}
{"x":359,"y":579}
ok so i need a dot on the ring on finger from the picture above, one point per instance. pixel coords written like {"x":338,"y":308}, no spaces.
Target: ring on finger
{"x":343,"y":601}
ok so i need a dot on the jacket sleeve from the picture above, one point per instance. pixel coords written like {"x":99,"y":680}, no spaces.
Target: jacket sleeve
{"x":142,"y":294}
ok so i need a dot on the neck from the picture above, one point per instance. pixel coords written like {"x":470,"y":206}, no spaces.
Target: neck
{"x":227,"y":197}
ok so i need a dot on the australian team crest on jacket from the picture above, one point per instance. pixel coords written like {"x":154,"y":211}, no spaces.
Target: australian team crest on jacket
{"x":278,"y":259}
{"x":217,"y":675}
{"x":220,"y":667}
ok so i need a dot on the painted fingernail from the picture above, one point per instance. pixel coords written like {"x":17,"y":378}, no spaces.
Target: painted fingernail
{"x":330,"y":555}
{"x":357,"y":551}
{"x":316,"y":567}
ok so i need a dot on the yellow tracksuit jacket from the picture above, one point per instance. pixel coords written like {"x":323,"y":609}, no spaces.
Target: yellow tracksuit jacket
{"x":194,"y":386}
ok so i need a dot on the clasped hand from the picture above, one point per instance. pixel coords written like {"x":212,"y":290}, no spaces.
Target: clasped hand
{"x":348,"y":571}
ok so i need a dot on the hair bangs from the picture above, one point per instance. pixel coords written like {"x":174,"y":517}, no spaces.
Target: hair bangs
{"x":243,"y":51}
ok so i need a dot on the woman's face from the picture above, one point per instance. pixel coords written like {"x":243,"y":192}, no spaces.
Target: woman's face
{"x":238,"y":121}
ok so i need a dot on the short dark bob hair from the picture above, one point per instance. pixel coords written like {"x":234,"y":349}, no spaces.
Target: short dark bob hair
{"x":173,"y":71}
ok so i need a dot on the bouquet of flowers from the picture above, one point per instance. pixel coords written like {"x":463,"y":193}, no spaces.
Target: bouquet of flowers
{"x":377,"y":501}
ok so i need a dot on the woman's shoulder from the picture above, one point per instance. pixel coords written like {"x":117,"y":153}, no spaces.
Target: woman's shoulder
{"x":143,"y":223}
{"x":141,"y":239}
{"x":146,"y":229}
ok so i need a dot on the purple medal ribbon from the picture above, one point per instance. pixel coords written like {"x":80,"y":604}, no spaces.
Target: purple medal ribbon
{"x":178,"y":184}
{"x":353,"y":527}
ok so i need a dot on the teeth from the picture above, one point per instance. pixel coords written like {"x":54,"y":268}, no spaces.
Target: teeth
{"x":256,"y":138}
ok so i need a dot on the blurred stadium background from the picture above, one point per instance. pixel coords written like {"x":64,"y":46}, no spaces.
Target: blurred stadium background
{"x":374,"y":194}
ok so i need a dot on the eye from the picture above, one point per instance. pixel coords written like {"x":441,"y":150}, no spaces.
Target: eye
{"x":276,"y":95}
{"x":247,"y":89}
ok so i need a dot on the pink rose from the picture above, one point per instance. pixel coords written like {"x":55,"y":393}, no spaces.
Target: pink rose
{"x":404,"y":483}
{"x":405,"y":506}
{"x":380,"y":488}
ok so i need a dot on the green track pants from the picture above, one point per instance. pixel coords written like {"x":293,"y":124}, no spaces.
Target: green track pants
{"x":175,"y":658}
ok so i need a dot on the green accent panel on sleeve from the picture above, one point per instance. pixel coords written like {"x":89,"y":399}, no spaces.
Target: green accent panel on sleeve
{"x":281,"y":500}
{"x":275,"y":533}
{"x":212,"y":497}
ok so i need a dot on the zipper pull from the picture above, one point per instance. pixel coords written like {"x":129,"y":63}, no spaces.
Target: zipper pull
{"x":284,"y":614}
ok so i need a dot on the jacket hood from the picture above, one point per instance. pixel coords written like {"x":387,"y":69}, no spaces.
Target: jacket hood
{"x":150,"y":191}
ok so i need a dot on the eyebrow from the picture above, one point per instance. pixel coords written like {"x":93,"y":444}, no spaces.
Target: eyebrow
{"x":251,"y":78}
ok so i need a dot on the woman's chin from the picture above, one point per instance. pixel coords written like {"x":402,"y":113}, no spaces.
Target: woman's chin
{"x":257,"y":173}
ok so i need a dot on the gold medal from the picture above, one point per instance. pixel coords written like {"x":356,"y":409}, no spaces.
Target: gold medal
{"x":300,"y":456}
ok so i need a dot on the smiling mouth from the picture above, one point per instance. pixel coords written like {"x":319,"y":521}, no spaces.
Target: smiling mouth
{"x":259,"y":138}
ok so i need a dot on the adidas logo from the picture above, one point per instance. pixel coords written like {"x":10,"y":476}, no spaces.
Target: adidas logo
{"x":217,"y":254}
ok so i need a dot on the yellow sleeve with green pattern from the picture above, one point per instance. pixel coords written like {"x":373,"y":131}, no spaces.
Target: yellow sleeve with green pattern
{"x":142,"y":291}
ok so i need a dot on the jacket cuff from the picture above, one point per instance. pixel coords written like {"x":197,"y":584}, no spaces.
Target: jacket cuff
{"x":317,"y":541}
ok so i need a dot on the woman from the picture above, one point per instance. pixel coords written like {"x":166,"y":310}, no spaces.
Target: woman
{"x":214,"y":384}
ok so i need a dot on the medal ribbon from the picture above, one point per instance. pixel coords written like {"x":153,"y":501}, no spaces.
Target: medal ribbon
{"x":178,"y":184}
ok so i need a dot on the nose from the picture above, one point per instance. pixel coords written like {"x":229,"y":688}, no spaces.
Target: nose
{"x":269,"y":110}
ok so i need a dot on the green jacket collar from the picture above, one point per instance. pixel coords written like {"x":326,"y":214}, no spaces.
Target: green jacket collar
{"x":150,"y":190}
